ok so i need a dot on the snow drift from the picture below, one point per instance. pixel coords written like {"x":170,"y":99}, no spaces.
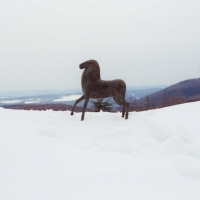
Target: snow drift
{"x":51,"y":155}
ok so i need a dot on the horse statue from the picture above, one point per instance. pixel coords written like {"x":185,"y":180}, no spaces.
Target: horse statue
{"x":94,"y":87}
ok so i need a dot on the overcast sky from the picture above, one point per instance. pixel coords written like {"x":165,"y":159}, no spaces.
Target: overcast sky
{"x":145,"y":43}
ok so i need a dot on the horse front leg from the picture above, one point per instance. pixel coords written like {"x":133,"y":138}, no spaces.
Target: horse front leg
{"x":84,"y":108}
{"x":76,"y":102}
{"x":127,"y":109}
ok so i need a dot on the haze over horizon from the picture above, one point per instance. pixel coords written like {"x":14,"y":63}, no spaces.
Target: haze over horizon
{"x":144,"y":43}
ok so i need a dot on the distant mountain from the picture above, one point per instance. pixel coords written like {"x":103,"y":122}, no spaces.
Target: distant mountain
{"x":184,"y":91}
{"x":139,"y":93}
{"x":147,"y":87}
{"x":29,"y":93}
{"x":56,"y":97}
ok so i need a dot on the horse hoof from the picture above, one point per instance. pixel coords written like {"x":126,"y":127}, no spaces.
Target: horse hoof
{"x":72,"y":114}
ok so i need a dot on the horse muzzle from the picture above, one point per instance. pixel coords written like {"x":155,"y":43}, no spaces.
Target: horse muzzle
{"x":81,"y":66}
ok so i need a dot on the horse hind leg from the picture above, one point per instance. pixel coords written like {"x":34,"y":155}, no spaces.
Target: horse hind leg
{"x":127,"y":109}
{"x":120,"y":100}
{"x":123,"y":110}
{"x":76,"y":102}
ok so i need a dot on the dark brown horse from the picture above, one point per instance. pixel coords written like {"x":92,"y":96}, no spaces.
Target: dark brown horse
{"x":94,"y":87}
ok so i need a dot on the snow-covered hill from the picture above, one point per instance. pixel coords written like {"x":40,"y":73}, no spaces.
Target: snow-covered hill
{"x":154,"y":155}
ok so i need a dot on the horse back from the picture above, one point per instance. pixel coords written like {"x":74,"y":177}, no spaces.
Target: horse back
{"x":103,"y":89}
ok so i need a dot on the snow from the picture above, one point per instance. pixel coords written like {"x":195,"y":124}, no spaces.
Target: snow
{"x":11,"y":101}
{"x":51,"y":155}
{"x":68,"y":98}
{"x":32,"y":101}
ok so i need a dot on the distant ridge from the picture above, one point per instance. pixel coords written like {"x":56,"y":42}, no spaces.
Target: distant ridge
{"x":182,"y":92}
{"x":23,"y":93}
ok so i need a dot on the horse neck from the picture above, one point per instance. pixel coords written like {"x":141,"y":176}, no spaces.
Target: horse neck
{"x":97,"y":73}
{"x":93,"y":75}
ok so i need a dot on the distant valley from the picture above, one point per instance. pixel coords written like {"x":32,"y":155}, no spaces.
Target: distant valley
{"x":22,"y":98}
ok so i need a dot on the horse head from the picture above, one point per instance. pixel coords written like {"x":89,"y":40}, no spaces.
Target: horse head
{"x":92,"y":70}
{"x":89,"y":63}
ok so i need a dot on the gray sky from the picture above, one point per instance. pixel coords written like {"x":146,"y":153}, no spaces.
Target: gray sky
{"x":42,"y":42}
